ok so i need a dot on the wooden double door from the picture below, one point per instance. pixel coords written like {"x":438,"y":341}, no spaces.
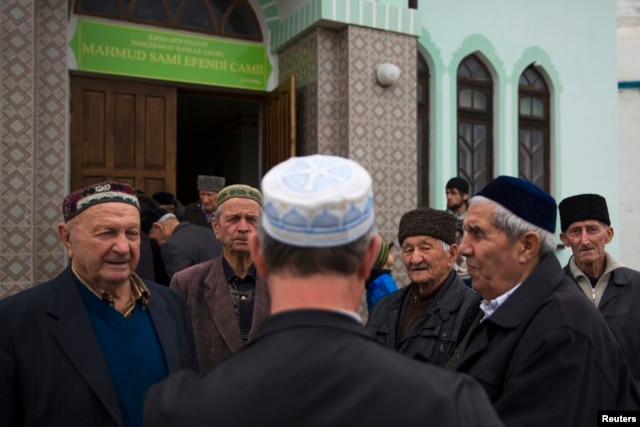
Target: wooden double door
{"x":127,"y":131}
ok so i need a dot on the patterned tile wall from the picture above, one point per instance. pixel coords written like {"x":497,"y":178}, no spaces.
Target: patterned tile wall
{"x":344,"y":111}
{"x":33,"y":102}
{"x":300,"y":59}
{"x":382,"y":129}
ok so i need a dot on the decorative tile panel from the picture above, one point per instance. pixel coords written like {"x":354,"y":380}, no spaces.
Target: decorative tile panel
{"x":345,"y":112}
{"x":33,"y":134}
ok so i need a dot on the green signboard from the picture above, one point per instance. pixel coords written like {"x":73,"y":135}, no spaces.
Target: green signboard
{"x":140,"y":52}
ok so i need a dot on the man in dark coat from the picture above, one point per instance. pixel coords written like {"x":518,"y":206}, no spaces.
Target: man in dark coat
{"x":183,"y":244}
{"x":201,"y":212}
{"x":312,"y":363}
{"x":543,"y":353}
{"x":613,"y":288}
{"x":427,"y":318}
{"x":82,"y":349}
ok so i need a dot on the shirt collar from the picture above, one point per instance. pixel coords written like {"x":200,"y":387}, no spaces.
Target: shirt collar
{"x":139,"y":291}
{"x":489,"y":307}
{"x":230,"y":275}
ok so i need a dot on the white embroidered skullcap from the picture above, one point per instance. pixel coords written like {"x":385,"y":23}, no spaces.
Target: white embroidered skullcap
{"x":317,"y":201}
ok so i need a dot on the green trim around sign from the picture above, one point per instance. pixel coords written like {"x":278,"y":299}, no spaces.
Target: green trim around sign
{"x":166,"y":55}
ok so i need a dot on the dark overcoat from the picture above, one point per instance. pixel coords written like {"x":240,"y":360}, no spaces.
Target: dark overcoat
{"x":435,"y":335}
{"x":620,"y":306}
{"x":546,"y":357}
{"x":215,"y":323}
{"x":194,"y":214}
{"x":319,"y":368}
{"x":52,"y":372}
{"x":189,"y":245}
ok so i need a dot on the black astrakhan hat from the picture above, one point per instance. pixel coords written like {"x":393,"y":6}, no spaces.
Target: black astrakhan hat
{"x":428,"y":222}
{"x":581,"y":208}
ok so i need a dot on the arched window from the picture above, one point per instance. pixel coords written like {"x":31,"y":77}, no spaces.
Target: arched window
{"x":224,"y":18}
{"x":475,"y":123}
{"x":423,"y":132}
{"x":533,"y":129}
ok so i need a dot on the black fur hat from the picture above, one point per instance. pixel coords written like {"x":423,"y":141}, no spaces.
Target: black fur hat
{"x":428,"y":222}
{"x":581,"y":208}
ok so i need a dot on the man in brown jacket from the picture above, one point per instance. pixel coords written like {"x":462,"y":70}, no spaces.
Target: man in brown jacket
{"x":227,"y":299}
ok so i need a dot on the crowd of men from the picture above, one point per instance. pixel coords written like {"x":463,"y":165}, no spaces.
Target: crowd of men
{"x":264,"y":330}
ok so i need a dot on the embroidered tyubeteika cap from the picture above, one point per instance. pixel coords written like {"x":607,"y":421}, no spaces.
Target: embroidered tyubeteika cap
{"x":102,"y":192}
{"x":239,"y":191}
{"x":317,"y":201}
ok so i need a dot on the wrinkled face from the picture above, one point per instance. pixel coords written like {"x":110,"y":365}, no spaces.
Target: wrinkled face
{"x":491,"y":258}
{"x":103,"y":243}
{"x":238,"y":220}
{"x":426,"y":261}
{"x":455,"y":199}
{"x":587,"y":240}
{"x":208,"y":200}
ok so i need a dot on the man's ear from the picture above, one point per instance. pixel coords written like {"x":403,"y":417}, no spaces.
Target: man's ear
{"x":257,"y":256}
{"x":65,"y":236}
{"x":530,"y":246}
{"x":564,"y":240}
{"x":610,"y":234}
{"x":215,"y":225}
{"x":453,"y":254}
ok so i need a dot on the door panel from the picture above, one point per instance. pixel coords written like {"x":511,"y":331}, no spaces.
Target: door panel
{"x":124,"y":131}
{"x":279,"y":142}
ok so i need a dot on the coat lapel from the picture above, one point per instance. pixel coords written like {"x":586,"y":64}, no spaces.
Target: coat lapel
{"x":516,"y":309}
{"x":74,"y":332}
{"x":218,"y":299}
{"x":165,"y":328}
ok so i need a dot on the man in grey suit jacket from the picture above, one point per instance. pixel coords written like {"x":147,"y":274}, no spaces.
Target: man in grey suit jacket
{"x":228,"y":300}
{"x":82,"y":349}
{"x":312,"y":363}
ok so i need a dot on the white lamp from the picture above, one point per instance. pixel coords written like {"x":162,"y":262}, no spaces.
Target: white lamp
{"x":388,"y":74}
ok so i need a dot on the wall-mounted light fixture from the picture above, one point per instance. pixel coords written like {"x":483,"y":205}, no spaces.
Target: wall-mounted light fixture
{"x":387,"y":74}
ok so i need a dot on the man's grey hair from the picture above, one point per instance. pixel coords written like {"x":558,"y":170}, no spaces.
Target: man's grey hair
{"x":514,"y":226}
{"x":307,"y":261}
{"x":166,"y":218}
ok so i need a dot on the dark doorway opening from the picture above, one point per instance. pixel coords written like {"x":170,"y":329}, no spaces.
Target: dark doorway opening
{"x":216,"y":135}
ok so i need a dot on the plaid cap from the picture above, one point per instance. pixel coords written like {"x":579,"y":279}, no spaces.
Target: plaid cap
{"x":102,"y":192}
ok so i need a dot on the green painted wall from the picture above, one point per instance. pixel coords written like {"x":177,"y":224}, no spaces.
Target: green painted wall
{"x":574,"y":43}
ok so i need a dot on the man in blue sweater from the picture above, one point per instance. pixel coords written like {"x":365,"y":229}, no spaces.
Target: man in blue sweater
{"x":82,"y":349}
